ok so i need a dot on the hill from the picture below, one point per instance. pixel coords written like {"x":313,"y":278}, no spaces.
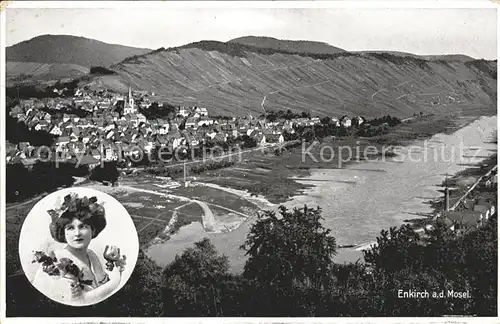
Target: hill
{"x":287,"y":45}
{"x":229,"y":78}
{"x":70,"y":50}
{"x":445,"y":57}
{"x":21,"y":71}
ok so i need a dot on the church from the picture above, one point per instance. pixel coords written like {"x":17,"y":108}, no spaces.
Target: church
{"x":129,"y":107}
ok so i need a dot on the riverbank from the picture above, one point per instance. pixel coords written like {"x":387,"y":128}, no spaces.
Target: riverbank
{"x":366,"y":197}
{"x":274,"y":177}
{"x":358,"y":201}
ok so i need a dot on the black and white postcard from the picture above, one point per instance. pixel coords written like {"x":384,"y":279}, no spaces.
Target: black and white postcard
{"x":248,"y":160}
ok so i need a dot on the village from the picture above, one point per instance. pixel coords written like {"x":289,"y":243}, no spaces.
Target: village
{"x":95,"y":131}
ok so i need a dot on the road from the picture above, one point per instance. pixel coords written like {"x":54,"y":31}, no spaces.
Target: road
{"x":221,"y":157}
{"x":208,"y":218}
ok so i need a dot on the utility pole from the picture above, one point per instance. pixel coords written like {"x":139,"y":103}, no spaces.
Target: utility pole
{"x":185,"y":183}
{"x":446,"y":195}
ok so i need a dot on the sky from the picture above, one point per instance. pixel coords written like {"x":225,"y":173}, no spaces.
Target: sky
{"x":432,"y":31}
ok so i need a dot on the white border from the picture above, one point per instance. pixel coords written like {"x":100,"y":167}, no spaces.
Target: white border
{"x":193,"y":5}
{"x":256,"y":4}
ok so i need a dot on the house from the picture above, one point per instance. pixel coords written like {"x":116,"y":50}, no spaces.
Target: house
{"x":205,"y":121}
{"x":76,"y":147}
{"x":485,"y":206}
{"x":492,"y":181}
{"x":23,"y":146}
{"x":42,"y":125}
{"x":47,"y":117}
{"x":141,"y":118}
{"x":66,"y":118}
{"x":192,"y":140}
{"x":176,"y":123}
{"x":163,"y":126}
{"x":29,"y":162}
{"x":358,"y":120}
{"x":85,"y":139}
{"x":161,"y":141}
{"x":110,"y":134}
{"x":461,"y":222}
{"x":148,"y":145}
{"x":73,"y":137}
{"x":62,"y":141}
{"x":259,"y":138}
{"x":16,"y":111}
{"x":274,"y":138}
{"x":211,"y":134}
{"x":192,"y":122}
{"x":89,"y":161}
{"x":475,"y":214}
{"x":345,"y":122}
{"x":22,"y":117}
{"x":183,"y":112}
{"x":95,"y":153}
{"x":109,"y":152}
{"x":178,"y":141}
{"x":201,"y":111}
{"x":12,"y":156}
{"x":315,"y":121}
{"x":134,"y":119}
{"x":35,"y":119}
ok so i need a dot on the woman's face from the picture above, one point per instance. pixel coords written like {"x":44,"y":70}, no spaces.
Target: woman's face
{"x":78,"y":234}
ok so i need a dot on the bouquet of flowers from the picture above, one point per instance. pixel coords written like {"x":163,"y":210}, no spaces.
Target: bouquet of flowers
{"x":64,"y":268}
{"x":113,"y":258}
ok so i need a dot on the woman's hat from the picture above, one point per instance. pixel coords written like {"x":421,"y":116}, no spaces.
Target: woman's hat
{"x":73,"y":203}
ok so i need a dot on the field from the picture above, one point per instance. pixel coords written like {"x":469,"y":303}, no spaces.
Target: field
{"x":151,"y":208}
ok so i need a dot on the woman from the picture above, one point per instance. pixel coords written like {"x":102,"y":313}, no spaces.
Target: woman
{"x":77,"y":276}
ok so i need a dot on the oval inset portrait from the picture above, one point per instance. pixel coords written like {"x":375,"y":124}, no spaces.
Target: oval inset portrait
{"x":78,"y":246}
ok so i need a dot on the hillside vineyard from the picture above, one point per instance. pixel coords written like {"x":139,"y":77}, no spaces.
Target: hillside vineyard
{"x":368,"y":84}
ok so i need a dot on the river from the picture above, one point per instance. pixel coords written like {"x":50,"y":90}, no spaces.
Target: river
{"x":363,"y":198}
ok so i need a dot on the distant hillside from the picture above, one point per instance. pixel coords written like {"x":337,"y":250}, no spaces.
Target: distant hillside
{"x":70,"y":50}
{"x":445,"y":57}
{"x":234,"y":79}
{"x":287,"y":45}
{"x":21,"y":71}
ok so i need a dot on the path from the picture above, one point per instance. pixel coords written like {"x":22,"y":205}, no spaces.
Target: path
{"x":78,"y":181}
{"x":208,"y":218}
{"x":26,"y":202}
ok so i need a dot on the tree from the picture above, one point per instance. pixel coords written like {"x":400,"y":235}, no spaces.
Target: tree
{"x":248,"y":142}
{"x":141,"y":296}
{"x":108,"y":172}
{"x":326,"y":120}
{"x":290,"y":250}
{"x":395,"y":249}
{"x":194,"y":282}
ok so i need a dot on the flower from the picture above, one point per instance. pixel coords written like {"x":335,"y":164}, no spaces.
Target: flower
{"x":111,"y":253}
{"x":64,"y":268}
{"x":73,"y":203}
{"x":69,"y":269}
{"x":113,"y":258}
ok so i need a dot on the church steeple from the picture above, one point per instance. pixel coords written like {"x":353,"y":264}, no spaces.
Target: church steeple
{"x":129,"y":104}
